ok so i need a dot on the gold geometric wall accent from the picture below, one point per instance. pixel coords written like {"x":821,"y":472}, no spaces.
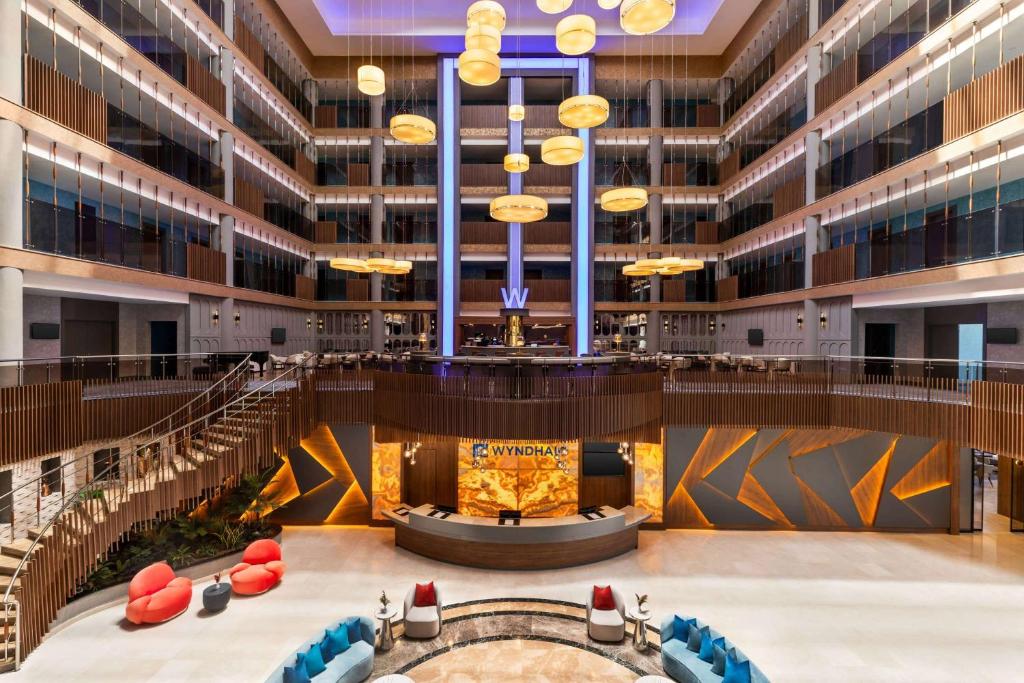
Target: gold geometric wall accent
{"x":867,"y":492}
{"x":649,"y":480}
{"x":753,"y":495}
{"x":930,"y":473}
{"x":818,"y":512}
{"x":804,"y":441}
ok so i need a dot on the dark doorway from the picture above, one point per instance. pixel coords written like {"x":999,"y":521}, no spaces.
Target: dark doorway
{"x":6,"y":502}
{"x":942,"y":342}
{"x":106,"y":464}
{"x":89,"y":328}
{"x":879,"y":344}
{"x":163,"y":344}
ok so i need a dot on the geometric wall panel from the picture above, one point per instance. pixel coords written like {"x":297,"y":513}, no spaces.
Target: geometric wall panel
{"x":326,"y":490}
{"x":805,"y":478}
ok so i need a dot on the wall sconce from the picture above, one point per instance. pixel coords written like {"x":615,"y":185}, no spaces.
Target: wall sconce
{"x":799,"y":321}
{"x":711,"y":325}
{"x":215,"y":316}
{"x":238,"y":317}
{"x":319,"y":324}
{"x":309,"y":323}
{"x":823,"y":320}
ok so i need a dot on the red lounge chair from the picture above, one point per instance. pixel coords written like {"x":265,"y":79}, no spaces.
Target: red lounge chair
{"x":155,"y":595}
{"x":260,"y":569}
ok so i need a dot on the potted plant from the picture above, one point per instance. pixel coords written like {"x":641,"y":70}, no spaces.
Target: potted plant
{"x":384,"y":602}
{"x":641,"y":603}
{"x":216,"y":597}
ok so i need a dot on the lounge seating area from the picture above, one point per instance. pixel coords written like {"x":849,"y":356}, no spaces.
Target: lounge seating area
{"x":692,"y":652}
{"x":423,"y":611}
{"x":156,"y":595}
{"x":342,"y":654}
{"x":606,"y":614}
{"x":260,"y":570}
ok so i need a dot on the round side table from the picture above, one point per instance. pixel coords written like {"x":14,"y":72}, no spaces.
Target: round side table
{"x":386,"y":639}
{"x":393,"y":678}
{"x":216,"y":597}
{"x":640,"y":630}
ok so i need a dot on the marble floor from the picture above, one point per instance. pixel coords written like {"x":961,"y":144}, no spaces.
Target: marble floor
{"x":805,"y":606}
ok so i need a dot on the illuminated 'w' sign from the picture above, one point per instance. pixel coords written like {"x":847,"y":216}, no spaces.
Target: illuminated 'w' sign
{"x":515,"y":298}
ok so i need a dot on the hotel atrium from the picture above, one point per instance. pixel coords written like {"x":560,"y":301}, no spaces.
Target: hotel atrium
{"x":512,"y":340}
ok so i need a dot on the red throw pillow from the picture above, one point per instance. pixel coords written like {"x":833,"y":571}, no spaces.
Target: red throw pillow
{"x":603,"y":598}
{"x":425,"y":596}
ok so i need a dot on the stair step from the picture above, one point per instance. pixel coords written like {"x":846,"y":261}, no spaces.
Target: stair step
{"x":18,"y":548}
{"x":6,"y":665}
{"x":8,"y":565}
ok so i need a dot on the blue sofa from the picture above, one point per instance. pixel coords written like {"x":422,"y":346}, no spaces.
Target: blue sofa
{"x":684,"y":665}
{"x":351,"y":666}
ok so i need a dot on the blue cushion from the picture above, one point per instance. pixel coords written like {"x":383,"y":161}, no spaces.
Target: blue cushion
{"x":718,"y":658}
{"x":735,"y":670}
{"x":707,"y":647}
{"x":334,"y":642}
{"x":296,"y":674}
{"x":352,"y":626}
{"x":313,"y":661}
{"x":693,"y":642}
{"x":681,"y":627}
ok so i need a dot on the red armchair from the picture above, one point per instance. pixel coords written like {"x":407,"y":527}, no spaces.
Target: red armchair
{"x":155,"y":595}
{"x":260,"y":570}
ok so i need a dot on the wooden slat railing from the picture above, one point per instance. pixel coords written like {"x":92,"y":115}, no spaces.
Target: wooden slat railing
{"x":325,"y":116}
{"x":205,"y":264}
{"x":481,"y":290}
{"x":729,"y":166}
{"x":52,"y":94}
{"x":305,"y":287}
{"x":673,"y":290}
{"x":994,"y":96}
{"x":248,"y":197}
{"x":836,"y":83}
{"x":834,"y":266}
{"x":791,"y":41}
{"x":39,"y":419}
{"x":709,"y":115}
{"x":707,"y":232}
{"x":789,"y":197}
{"x":325,"y":232}
{"x":305,"y":167}
{"x":204,"y":84}
{"x":673,"y":174}
{"x":728,"y":288}
{"x":358,"y":175}
{"x":248,"y":43}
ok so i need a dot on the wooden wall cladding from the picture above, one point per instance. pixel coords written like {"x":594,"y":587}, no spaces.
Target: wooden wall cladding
{"x":481,"y":290}
{"x":305,"y":168}
{"x":673,"y":174}
{"x":707,"y":232}
{"x":789,"y":197}
{"x":836,"y":83}
{"x":748,"y":400}
{"x":542,"y":116}
{"x":206,"y":264}
{"x":483,"y":232}
{"x":728,"y":288}
{"x":248,"y":43}
{"x":357,"y":289}
{"x":344,"y":396}
{"x":494,"y":407}
{"x":248,"y":197}
{"x":305,"y":287}
{"x":994,"y":96}
{"x":483,"y":116}
{"x":200,"y":81}
{"x":483,"y":175}
{"x":673,"y":290}
{"x":325,"y":116}
{"x":325,"y":232}
{"x":112,"y":418}
{"x":834,"y":266}
{"x":996,"y":423}
{"x":791,"y":41}
{"x":39,"y":419}
{"x":545,"y":175}
{"x":548,"y":290}
{"x":55,"y":96}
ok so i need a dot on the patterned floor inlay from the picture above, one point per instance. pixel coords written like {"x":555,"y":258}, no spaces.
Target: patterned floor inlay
{"x":548,"y":637}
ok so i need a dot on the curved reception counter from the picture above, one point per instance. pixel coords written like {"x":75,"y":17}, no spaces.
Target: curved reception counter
{"x":528,"y":543}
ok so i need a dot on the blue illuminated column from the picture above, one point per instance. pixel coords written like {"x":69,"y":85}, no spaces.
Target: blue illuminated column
{"x":515,"y":186}
{"x":448,"y":207}
{"x":583,"y":224}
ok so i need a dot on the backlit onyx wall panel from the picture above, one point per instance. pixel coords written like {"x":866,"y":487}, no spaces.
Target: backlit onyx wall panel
{"x":806,"y":478}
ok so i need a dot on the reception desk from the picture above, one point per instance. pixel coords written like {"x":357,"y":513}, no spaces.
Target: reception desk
{"x":528,"y":543}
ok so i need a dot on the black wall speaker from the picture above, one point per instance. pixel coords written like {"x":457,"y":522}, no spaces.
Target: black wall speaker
{"x":44,"y":331}
{"x":755,"y":337}
{"x":1001,"y":335}
{"x":277,"y":335}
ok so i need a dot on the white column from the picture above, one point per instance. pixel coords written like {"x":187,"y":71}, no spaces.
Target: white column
{"x":11,"y":185}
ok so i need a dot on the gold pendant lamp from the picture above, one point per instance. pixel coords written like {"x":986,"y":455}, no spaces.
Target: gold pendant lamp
{"x":553,"y":6}
{"x":412,"y":128}
{"x":479,"y":67}
{"x":370,"y":80}
{"x":621,"y":199}
{"x":608,"y":4}
{"x":576,"y":34}
{"x":487,"y":12}
{"x":642,"y":17}
{"x":483,"y":37}
{"x":518,"y":208}
{"x":561,"y":150}
{"x":516,"y":112}
{"x":583,"y":111}
{"x":516,"y":163}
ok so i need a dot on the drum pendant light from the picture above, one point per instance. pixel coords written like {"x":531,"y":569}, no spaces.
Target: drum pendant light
{"x":479,"y":67}
{"x":553,"y":6}
{"x":576,"y":34}
{"x":352,"y":265}
{"x":412,"y":128}
{"x":561,"y":150}
{"x":486,"y":12}
{"x":517,"y":163}
{"x":641,"y":17}
{"x":518,"y":208}
{"x":516,"y":112}
{"x":583,"y":111}
{"x":608,"y":4}
{"x":370,"y":80}
{"x":483,"y":37}
{"x":621,"y":199}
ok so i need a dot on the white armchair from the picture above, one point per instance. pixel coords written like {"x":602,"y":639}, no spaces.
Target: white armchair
{"x":422,"y":622}
{"x":606,"y":625}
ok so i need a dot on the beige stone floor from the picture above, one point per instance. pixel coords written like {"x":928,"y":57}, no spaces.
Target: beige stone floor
{"x":520,"y":661}
{"x":805,"y":606}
